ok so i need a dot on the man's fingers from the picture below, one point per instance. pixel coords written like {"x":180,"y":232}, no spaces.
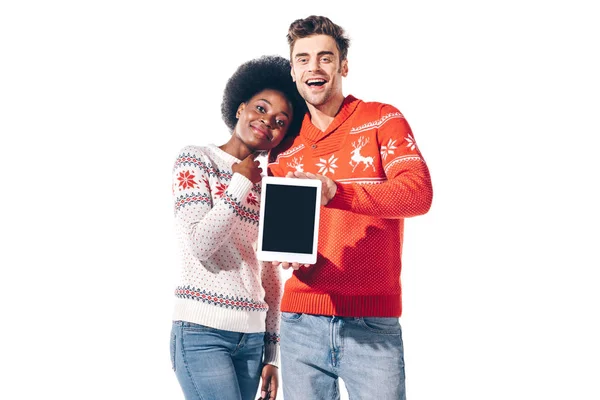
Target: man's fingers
{"x":308,"y":175}
{"x":300,"y":174}
{"x":284,"y":265}
{"x":287,"y":265}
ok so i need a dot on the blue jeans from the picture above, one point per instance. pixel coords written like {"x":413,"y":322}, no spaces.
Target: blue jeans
{"x":367,"y":353}
{"x":212,"y":364}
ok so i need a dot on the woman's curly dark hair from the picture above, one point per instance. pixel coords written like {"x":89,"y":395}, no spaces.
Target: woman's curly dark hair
{"x":265,"y":72}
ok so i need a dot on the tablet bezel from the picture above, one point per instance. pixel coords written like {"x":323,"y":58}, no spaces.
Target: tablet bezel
{"x":268,"y":255}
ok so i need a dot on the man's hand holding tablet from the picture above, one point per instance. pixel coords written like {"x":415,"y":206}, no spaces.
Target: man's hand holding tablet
{"x":289,"y":218}
{"x":328,"y":190}
{"x":328,"y":186}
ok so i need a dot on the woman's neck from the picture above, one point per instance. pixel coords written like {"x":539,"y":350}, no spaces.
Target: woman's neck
{"x":236,"y":147}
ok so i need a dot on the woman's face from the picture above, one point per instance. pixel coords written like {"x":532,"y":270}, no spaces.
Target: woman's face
{"x":264,"y":120}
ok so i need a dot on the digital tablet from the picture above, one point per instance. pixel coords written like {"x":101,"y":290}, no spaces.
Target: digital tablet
{"x":288,"y":228}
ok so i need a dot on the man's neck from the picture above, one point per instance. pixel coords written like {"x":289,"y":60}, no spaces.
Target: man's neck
{"x":322,"y":116}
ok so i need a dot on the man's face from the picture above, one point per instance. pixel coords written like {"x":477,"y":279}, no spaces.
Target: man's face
{"x":317,"y":70}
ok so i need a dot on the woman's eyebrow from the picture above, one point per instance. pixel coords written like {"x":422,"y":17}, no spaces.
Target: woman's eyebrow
{"x":269,"y":103}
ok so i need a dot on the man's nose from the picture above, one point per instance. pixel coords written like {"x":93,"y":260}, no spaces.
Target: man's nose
{"x":313,"y":65}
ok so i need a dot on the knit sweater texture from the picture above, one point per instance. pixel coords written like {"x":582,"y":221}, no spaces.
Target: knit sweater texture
{"x":222,"y":283}
{"x":370,"y":152}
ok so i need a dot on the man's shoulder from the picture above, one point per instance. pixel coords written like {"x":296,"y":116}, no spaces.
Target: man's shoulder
{"x":375,"y":108}
{"x":287,"y":147}
{"x":372,"y":115}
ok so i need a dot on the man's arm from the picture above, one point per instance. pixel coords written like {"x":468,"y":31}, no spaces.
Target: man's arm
{"x":406,"y":193}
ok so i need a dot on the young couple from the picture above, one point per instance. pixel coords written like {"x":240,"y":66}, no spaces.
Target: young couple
{"x":339,"y":317}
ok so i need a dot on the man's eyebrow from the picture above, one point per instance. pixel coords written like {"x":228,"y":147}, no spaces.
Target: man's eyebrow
{"x":269,"y":103}
{"x":321,"y":53}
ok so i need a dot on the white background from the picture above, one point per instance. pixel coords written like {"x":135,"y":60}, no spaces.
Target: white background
{"x":500,"y":277}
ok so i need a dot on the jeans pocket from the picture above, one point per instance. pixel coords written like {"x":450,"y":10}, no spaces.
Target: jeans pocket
{"x":382,"y":325}
{"x":291,"y":317}
{"x":173,"y":348}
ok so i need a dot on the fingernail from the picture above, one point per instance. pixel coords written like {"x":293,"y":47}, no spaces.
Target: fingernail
{"x":263,"y":394}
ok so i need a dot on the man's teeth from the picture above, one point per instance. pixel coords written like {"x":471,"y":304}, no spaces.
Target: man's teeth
{"x":315,"y":82}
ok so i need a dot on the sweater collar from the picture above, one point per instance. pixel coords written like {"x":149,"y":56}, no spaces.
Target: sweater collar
{"x":314,"y":134}
{"x":225,"y":156}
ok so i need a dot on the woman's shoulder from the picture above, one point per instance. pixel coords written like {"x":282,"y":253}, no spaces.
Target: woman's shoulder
{"x":194,"y":150}
{"x":192,"y":156}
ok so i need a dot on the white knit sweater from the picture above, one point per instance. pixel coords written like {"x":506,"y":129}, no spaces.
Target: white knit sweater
{"x":222,"y":284}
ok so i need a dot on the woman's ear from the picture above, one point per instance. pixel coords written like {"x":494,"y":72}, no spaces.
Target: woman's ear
{"x":239,"y":110}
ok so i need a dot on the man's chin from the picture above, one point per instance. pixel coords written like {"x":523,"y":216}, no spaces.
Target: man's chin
{"x":315,"y":99}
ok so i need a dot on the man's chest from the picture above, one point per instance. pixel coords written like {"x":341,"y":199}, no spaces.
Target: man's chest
{"x":357,"y":157}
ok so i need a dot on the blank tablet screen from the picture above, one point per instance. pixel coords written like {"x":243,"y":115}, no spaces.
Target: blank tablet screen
{"x":289,"y":219}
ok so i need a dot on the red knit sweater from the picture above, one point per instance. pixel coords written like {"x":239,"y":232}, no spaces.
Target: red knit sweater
{"x":370,"y":152}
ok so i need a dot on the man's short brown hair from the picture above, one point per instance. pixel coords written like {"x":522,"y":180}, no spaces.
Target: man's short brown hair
{"x":318,"y":25}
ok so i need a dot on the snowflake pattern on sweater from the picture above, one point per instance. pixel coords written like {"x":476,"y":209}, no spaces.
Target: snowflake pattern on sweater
{"x":222,"y":284}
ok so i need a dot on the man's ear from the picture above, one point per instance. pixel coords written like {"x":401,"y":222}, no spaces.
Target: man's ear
{"x":239,"y":110}
{"x":344,"y":68}
{"x":292,"y":73}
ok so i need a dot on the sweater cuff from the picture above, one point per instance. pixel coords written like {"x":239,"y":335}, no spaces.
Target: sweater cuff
{"x":239,"y":186}
{"x":343,"y":197}
{"x":272,"y":354}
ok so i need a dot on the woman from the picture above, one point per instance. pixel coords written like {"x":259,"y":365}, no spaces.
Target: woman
{"x":225,"y":333}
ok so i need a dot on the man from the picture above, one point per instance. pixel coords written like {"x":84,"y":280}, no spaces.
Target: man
{"x":341,"y":316}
